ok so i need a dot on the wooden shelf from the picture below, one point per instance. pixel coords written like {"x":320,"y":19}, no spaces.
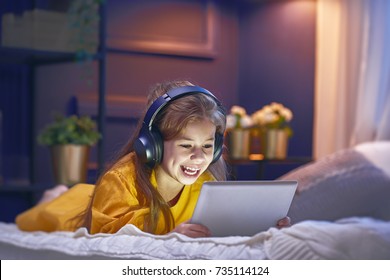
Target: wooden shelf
{"x":34,"y":58}
{"x":31,"y":56}
{"x":261,"y":162}
{"x":21,"y":56}
{"x":259,"y":158}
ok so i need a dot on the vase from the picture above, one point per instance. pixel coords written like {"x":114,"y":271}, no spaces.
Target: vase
{"x":70,"y":163}
{"x":238,"y":143}
{"x":258,"y":141}
{"x":276,"y":144}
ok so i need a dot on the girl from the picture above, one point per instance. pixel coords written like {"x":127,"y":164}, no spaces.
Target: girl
{"x":155,"y":182}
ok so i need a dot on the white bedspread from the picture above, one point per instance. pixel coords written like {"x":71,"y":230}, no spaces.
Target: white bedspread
{"x":353,"y":238}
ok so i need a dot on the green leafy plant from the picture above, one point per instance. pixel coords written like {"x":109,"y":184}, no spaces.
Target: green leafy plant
{"x":70,"y":130}
{"x":84,"y":19}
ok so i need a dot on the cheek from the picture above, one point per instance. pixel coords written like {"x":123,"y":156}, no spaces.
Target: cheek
{"x":171,"y":155}
{"x":209,"y":155}
{"x":178,"y":157}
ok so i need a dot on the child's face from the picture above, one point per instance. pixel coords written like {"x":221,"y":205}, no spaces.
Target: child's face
{"x":188,"y":155}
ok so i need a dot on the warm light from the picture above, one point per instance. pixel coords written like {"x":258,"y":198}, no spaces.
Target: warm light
{"x":256,"y":156}
{"x":299,"y":11}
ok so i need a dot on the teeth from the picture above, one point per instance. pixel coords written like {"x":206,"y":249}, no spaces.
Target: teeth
{"x":190,"y":170}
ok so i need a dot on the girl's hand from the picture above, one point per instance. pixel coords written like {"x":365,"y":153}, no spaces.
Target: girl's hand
{"x":192,"y":230}
{"x":285,"y":222}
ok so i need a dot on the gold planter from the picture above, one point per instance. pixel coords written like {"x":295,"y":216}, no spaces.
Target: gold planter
{"x":70,"y":163}
{"x":238,"y":142}
{"x":258,"y":142}
{"x":276,"y":144}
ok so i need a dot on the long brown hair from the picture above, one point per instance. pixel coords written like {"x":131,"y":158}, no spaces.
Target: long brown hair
{"x":170,"y":121}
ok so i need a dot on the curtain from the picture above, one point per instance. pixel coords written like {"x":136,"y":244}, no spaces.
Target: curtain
{"x":352,"y":88}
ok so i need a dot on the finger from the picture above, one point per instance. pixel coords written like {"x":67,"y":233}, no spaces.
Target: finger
{"x":199,"y":229}
{"x":196,"y":234}
{"x":194,"y":230}
{"x":285,"y":222}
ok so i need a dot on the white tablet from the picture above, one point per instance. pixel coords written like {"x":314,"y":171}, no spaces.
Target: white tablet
{"x":243,"y":208}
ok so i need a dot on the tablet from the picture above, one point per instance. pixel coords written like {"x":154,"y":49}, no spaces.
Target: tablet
{"x":242,"y":208}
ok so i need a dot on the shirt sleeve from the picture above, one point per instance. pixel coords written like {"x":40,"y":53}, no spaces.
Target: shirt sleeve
{"x":115,"y":204}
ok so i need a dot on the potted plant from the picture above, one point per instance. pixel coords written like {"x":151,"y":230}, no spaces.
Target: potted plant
{"x":70,"y":139}
{"x":238,"y":137}
{"x":273,"y":121}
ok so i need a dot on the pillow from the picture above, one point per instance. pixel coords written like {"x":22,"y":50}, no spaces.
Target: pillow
{"x":340,"y":185}
{"x":378,"y":152}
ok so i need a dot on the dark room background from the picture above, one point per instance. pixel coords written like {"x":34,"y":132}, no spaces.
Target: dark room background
{"x":248,"y":53}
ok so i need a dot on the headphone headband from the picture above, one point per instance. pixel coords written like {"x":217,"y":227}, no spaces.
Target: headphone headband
{"x":172,"y":94}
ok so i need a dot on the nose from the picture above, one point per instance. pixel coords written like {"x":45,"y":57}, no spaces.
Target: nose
{"x":198,"y":155}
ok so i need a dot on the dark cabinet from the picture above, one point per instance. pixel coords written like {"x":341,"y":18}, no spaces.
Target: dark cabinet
{"x":19,"y":188}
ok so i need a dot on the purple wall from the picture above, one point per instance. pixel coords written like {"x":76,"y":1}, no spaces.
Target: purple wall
{"x":277,"y":63}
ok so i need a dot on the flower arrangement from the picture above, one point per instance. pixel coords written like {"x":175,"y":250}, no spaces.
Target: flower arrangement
{"x":238,"y":118}
{"x":273,"y":116}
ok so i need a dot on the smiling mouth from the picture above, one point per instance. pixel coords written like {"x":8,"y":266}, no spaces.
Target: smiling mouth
{"x":190,"y":171}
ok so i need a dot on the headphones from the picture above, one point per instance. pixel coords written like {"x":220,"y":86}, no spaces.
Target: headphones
{"x":149,"y":144}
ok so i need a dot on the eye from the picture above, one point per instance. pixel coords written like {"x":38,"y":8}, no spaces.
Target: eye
{"x":208,"y":146}
{"x":185,"y":146}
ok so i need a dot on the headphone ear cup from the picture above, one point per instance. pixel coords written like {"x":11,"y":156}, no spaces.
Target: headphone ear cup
{"x":218,"y":146}
{"x":149,"y":147}
{"x":158,"y":145}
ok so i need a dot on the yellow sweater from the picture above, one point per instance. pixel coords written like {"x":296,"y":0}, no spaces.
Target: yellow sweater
{"x":112,"y":206}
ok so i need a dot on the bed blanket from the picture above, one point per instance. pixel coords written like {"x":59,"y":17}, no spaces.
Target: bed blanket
{"x":305,"y":240}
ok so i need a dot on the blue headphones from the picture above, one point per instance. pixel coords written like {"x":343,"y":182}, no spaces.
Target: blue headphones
{"x":149,"y":144}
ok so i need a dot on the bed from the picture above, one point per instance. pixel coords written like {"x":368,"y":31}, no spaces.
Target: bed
{"x":341,"y":200}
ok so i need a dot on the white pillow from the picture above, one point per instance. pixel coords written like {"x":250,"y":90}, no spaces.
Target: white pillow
{"x":378,"y":152}
{"x":340,"y":185}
